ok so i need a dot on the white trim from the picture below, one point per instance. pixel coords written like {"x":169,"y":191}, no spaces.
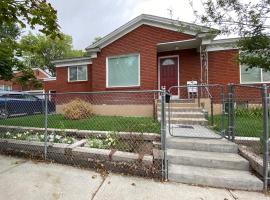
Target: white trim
{"x":248,"y":83}
{"x":49,"y":79}
{"x":178,"y":72}
{"x":139,"y":70}
{"x":74,"y":64}
{"x":222,"y":44}
{"x":86,"y":78}
{"x":73,"y":61}
{"x":151,"y":20}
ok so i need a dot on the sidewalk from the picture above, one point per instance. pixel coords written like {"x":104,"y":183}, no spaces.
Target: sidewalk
{"x":27,"y":180}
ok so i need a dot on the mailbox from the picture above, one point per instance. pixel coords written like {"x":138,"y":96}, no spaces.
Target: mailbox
{"x":167,"y":98}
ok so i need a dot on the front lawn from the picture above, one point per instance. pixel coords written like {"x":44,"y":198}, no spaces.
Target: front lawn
{"x":245,"y":126}
{"x":101,"y":123}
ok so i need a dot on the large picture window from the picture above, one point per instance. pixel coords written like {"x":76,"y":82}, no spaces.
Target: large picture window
{"x":77,"y":73}
{"x":254,"y":75}
{"x":123,"y":71}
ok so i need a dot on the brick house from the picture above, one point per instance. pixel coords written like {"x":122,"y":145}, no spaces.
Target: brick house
{"x":149,"y":52}
{"x":13,"y":85}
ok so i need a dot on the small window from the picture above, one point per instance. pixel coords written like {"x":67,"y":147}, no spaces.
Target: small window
{"x":254,"y":75}
{"x":168,"y":61}
{"x":123,"y":71}
{"x":5,"y":87}
{"x":77,"y":73}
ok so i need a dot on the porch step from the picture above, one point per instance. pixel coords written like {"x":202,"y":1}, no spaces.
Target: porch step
{"x":183,"y":114}
{"x":183,"y":109}
{"x":188,"y":121}
{"x":196,"y":144}
{"x":180,"y":101}
{"x":179,"y":105}
{"x":207,"y":159}
{"x":223,"y":178}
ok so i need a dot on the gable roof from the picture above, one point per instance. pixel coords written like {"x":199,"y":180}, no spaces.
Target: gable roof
{"x":161,"y":22}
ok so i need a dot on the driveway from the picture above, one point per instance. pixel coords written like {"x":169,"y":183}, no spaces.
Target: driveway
{"x":24,"y":179}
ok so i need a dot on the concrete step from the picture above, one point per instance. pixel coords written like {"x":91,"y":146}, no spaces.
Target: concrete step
{"x":208,"y":159}
{"x":188,"y":121}
{"x":180,"y":101}
{"x":195,"y":144}
{"x":179,"y":105}
{"x":183,"y":109}
{"x":223,"y":178}
{"x":183,"y":114}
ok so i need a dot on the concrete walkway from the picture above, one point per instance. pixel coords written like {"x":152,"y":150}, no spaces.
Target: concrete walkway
{"x":29,"y":180}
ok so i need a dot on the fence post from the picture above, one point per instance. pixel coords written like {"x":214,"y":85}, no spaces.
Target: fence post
{"x":45,"y":125}
{"x":223,"y":113}
{"x":265,"y":135}
{"x":212,"y":111}
{"x":230,"y":112}
{"x":163,"y":133}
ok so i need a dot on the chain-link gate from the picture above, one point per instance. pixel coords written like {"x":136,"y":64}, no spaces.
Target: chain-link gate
{"x":198,"y":112}
{"x":248,"y":121}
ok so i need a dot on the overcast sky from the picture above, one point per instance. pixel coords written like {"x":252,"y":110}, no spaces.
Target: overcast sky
{"x":86,"y":19}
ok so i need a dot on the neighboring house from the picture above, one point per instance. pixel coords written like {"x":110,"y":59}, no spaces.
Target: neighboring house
{"x":13,"y":85}
{"x":149,"y":52}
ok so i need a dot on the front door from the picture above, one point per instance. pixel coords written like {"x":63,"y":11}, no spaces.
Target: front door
{"x":168,"y":73}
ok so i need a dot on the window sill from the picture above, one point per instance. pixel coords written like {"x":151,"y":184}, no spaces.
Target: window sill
{"x":123,"y":88}
{"x":77,"y":81}
{"x":256,"y":83}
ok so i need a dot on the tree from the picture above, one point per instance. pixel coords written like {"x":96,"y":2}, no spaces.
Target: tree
{"x":9,"y":50}
{"x":15,"y":15}
{"x":40,"y":50}
{"x":249,"y":20}
{"x":35,"y":13}
{"x":27,"y":80}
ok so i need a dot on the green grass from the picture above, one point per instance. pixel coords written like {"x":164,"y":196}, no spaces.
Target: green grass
{"x":245,"y":126}
{"x":103,"y":123}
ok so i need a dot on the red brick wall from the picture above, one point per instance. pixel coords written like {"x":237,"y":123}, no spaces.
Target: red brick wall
{"x":223,"y":67}
{"x":61,"y":83}
{"x":142,"y":40}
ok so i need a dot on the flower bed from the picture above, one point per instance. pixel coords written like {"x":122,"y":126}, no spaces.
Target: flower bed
{"x":36,"y":136}
{"x":119,"y":152}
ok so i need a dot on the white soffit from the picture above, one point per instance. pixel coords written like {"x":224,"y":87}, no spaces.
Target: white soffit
{"x":73,"y":62}
{"x":179,"y":45}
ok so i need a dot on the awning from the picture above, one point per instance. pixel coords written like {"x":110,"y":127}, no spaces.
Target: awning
{"x":179,"y":45}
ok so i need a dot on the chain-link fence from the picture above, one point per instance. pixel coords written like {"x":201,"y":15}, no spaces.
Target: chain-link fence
{"x":111,"y":131}
{"x":248,"y":111}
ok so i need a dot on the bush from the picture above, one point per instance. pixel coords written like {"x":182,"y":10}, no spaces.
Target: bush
{"x":77,"y":109}
{"x":249,"y":112}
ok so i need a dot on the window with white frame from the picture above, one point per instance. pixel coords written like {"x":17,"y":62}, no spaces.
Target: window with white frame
{"x":254,"y":75}
{"x":123,"y":71}
{"x":77,"y":73}
{"x":5,"y":87}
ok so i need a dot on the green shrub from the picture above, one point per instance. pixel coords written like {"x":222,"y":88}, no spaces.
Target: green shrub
{"x":97,"y":143}
{"x":77,"y":109}
{"x":249,"y":112}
